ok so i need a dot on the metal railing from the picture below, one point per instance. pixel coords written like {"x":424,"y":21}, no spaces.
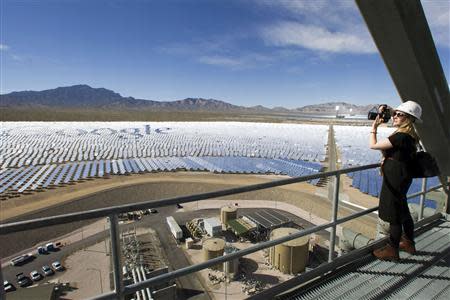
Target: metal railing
{"x":112,"y":213}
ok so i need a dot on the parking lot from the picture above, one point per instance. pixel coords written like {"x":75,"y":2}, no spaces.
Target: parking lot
{"x":34,"y":268}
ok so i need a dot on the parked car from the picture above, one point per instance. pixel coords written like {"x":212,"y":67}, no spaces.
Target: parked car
{"x":42,"y":250}
{"x":47,"y":270}
{"x":50,"y":247}
{"x":57,"y":266}
{"x":152,"y":211}
{"x":23,"y":280}
{"x":35,"y":275}
{"x":8,"y":287}
{"x":21,"y":259}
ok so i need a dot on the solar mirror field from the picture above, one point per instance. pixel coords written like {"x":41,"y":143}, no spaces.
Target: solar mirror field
{"x":41,"y":155}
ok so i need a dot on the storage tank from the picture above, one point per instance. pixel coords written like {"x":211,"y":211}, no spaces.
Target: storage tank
{"x":231,"y":267}
{"x":227,"y":213}
{"x":289,"y":257}
{"x":213,"y":248}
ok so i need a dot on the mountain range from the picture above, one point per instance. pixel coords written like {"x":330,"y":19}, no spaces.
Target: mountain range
{"x":86,"y":97}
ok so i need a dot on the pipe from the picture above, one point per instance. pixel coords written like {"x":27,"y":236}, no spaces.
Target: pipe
{"x":149,"y":294}
{"x":138,"y":294}
{"x":138,"y":272}
{"x":353,"y":240}
{"x":414,"y":209}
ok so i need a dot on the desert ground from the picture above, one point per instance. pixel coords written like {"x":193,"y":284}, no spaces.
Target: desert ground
{"x":117,"y":190}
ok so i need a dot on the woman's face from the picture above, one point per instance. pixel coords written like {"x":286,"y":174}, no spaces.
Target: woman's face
{"x":399,"y":118}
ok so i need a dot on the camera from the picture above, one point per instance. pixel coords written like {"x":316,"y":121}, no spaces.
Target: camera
{"x":383,"y":111}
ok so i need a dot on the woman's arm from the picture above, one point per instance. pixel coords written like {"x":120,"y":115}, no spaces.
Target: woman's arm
{"x":384,"y":144}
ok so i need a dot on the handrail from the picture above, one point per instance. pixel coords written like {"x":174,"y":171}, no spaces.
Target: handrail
{"x":112,"y":212}
{"x":434,"y":188}
{"x":260,"y":246}
{"x":104,"y":212}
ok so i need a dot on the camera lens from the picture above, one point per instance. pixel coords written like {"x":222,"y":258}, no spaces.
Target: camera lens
{"x":372,"y":115}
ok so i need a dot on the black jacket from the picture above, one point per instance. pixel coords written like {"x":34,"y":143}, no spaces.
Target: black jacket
{"x":396,"y":178}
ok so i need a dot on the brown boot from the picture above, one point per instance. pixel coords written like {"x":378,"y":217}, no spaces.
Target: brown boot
{"x":407,"y":245}
{"x":386,"y":253}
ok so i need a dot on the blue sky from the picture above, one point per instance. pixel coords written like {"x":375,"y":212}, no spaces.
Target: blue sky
{"x":245,"y":52}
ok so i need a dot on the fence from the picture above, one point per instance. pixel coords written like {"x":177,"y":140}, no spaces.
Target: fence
{"x":112,"y":213}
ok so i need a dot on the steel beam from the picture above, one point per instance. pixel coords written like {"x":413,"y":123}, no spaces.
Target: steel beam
{"x":423,"y":197}
{"x":116,"y":254}
{"x":403,"y":38}
{"x":2,"y":289}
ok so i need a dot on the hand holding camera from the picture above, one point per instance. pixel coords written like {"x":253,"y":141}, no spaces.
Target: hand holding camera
{"x":383,"y":112}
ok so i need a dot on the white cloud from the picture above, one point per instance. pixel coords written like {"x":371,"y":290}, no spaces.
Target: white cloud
{"x":341,"y":15}
{"x":3,"y":47}
{"x":343,"y":19}
{"x":221,"y":61}
{"x":316,"y":38}
{"x":438,"y":17}
{"x":223,"y":51}
{"x":17,"y":57}
{"x":237,"y":62}
{"x":324,"y":26}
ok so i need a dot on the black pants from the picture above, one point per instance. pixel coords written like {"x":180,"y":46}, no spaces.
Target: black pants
{"x":395,"y":231}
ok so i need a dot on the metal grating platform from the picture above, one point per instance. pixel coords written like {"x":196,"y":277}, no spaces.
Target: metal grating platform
{"x":425,"y":275}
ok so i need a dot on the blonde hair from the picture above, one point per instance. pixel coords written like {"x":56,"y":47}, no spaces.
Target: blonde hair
{"x":408,"y":127}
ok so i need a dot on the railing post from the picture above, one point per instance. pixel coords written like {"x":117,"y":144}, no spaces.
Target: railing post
{"x":422,"y":198}
{"x":334,"y":217}
{"x":116,"y":255}
{"x":2,"y":288}
{"x":447,"y":192}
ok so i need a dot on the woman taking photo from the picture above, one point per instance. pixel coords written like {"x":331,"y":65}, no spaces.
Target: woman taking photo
{"x":398,"y":150}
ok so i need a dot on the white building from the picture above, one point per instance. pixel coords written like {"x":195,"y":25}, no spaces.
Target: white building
{"x":212,"y":226}
{"x":174,"y":227}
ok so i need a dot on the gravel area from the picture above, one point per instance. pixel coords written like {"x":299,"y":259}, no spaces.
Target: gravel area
{"x":87,"y":272}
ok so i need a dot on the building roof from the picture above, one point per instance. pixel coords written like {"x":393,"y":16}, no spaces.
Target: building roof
{"x":213,"y":222}
{"x":238,"y":226}
{"x":229,"y":208}
{"x":268,"y":218}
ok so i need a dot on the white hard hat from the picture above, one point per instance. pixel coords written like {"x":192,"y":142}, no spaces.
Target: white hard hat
{"x":411,"y":108}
